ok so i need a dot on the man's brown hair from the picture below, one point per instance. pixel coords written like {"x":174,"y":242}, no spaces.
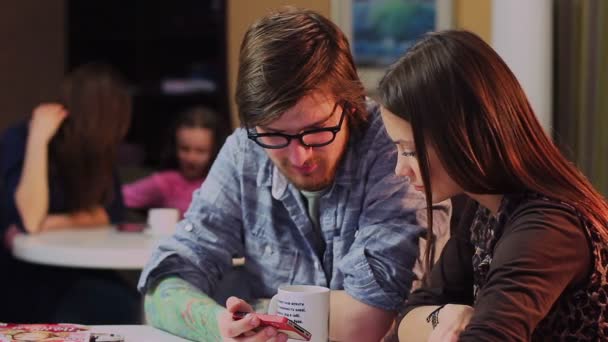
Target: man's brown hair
{"x":288,"y":55}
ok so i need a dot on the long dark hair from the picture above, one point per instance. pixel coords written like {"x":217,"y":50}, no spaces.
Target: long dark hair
{"x":194,"y":117}
{"x":83,"y":152}
{"x":461,"y":97}
{"x":288,"y":55}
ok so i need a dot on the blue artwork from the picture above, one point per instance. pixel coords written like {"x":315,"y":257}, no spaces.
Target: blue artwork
{"x":384,"y":29}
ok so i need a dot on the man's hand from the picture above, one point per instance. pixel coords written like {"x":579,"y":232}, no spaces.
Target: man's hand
{"x":244,"y":330}
{"x":453,"y":319}
{"x":46,"y":119}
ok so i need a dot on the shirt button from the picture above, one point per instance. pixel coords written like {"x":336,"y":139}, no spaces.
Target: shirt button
{"x":268,"y":250}
{"x":188,"y":227}
{"x":316,"y":264}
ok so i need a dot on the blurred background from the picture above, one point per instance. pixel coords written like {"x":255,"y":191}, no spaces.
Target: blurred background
{"x":180,"y":53}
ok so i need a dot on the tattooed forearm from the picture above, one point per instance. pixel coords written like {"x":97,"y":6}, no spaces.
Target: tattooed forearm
{"x":176,"y":306}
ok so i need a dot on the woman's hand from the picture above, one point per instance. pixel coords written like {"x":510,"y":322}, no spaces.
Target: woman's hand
{"x":452,"y":320}
{"x":46,"y":119}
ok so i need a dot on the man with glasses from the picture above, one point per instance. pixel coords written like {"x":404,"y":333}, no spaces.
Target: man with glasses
{"x":305,"y":192}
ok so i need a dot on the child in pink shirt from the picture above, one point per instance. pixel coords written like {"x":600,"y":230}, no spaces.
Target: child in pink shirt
{"x":189,"y":155}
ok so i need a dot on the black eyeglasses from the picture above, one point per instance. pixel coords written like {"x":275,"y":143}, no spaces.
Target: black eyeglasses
{"x":317,"y":137}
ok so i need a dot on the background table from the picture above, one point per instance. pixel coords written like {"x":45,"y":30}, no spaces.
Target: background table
{"x":138,"y":333}
{"x":99,"y":247}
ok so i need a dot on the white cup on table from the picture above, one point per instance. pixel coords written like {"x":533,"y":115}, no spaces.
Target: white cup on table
{"x":162,"y":221}
{"x":307,"y":305}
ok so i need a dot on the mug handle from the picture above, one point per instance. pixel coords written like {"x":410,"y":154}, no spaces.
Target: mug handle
{"x":272,"y":306}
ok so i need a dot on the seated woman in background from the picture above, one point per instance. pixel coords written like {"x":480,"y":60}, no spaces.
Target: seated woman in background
{"x":59,"y":167}
{"x":58,"y":171}
{"x":532,"y":264}
{"x":192,"y":147}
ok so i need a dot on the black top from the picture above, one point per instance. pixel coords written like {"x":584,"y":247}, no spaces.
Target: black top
{"x":539,"y":252}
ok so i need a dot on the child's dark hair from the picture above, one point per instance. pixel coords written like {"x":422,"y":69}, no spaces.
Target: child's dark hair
{"x":193,"y":117}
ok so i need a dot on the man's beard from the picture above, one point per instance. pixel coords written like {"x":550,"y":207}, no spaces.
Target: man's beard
{"x":313,"y":182}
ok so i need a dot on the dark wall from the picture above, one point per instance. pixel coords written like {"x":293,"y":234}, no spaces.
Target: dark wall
{"x":32,"y":38}
{"x":171,"y":52}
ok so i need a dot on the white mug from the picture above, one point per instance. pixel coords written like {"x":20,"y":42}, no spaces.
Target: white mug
{"x":162,"y":221}
{"x":307,"y":305}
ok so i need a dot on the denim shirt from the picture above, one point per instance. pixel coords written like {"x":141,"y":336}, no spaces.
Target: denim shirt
{"x":247,"y":208}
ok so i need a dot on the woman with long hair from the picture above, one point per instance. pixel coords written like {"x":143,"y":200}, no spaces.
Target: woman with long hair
{"x":64,"y":173}
{"x":529,"y":260}
{"x":58,"y":171}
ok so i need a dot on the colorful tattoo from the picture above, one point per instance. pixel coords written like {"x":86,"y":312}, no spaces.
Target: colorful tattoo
{"x":181,"y":309}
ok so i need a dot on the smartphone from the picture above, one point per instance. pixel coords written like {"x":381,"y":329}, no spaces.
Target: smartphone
{"x":282,"y":324}
{"x":103,"y":337}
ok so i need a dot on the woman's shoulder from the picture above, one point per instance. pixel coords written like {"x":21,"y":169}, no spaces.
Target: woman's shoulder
{"x":538,"y":212}
{"x":549,"y":231}
{"x":530,"y":204}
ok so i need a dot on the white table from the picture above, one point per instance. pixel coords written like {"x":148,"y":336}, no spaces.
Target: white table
{"x":137,"y":333}
{"x":99,"y":247}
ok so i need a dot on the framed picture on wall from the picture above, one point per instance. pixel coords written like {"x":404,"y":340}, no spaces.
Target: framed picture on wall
{"x":380,"y":31}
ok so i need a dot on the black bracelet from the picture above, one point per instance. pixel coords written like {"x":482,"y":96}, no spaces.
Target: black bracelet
{"x":433,"y":317}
